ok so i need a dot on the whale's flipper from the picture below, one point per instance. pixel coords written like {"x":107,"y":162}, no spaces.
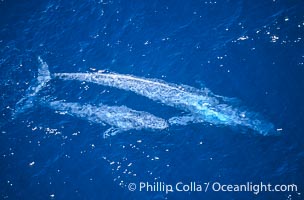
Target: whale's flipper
{"x":30,"y":95}
{"x":111,"y":132}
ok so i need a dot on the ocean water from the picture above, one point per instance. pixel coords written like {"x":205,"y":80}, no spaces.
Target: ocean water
{"x":250,"y":51}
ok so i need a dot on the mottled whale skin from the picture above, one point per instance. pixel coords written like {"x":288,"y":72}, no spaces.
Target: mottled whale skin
{"x":201,"y":105}
{"x":121,"y":118}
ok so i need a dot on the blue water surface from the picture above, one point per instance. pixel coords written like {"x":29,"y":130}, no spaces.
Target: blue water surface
{"x":250,"y":50}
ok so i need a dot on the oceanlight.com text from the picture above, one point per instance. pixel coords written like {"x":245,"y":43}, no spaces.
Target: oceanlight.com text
{"x":211,"y":187}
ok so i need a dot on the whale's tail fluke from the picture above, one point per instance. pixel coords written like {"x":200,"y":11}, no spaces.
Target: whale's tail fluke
{"x":44,"y":75}
{"x":28,"y":100}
